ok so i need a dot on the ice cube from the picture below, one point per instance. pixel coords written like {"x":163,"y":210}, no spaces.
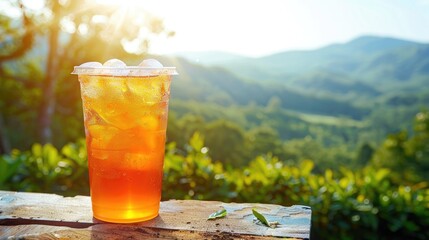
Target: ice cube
{"x":152,"y":63}
{"x":101,"y":135}
{"x":149,"y":92}
{"x":91,"y":64}
{"x":91,"y":88}
{"x":114,"y":63}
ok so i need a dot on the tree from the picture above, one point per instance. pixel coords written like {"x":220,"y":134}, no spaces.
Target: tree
{"x":226,"y":142}
{"x":405,"y":154}
{"x":187,"y":126}
{"x":364,"y":155}
{"x":63,"y":34}
{"x":418,"y":145}
{"x":263,"y":140}
{"x":10,"y":49}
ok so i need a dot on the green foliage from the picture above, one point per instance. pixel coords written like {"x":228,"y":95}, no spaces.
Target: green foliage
{"x":9,"y":165}
{"x":251,"y":131}
{"x":18,"y":99}
{"x":346,"y":204}
{"x":407,"y":155}
{"x":45,"y":169}
{"x":194,"y":175}
{"x":229,"y":139}
{"x":264,"y":139}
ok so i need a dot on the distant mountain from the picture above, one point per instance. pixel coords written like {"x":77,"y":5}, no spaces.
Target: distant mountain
{"x":369,"y":44}
{"x":380,"y":62}
{"x":341,"y":80}
{"x":217,"y":85}
{"x":401,"y":64}
{"x":324,"y":82}
{"x":210,"y":57}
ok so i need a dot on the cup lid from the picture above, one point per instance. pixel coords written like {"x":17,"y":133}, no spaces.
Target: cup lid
{"x":116,"y":67}
{"x":124,"y":71}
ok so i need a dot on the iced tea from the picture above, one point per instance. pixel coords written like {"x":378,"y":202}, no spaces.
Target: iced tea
{"x":125,"y":121}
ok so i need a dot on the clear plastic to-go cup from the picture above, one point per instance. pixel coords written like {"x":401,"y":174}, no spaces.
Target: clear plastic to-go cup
{"x":125,"y":116}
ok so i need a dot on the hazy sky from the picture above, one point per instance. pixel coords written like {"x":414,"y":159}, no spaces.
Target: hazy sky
{"x":261,"y":27}
{"x":256,"y":28}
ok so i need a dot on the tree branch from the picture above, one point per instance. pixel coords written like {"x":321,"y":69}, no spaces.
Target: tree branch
{"x":23,"y":80}
{"x":26,"y":41}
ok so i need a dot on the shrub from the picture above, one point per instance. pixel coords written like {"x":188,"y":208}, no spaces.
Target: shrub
{"x":45,"y":169}
{"x":348,"y":204}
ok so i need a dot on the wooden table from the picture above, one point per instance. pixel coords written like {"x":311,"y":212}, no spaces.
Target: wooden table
{"x":50,"y":216}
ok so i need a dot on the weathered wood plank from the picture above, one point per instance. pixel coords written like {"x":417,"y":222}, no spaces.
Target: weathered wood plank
{"x":116,"y":231}
{"x":180,"y":215}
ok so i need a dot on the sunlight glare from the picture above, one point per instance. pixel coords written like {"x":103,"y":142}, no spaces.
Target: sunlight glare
{"x":256,"y":28}
{"x":121,"y":3}
{"x":126,"y":12}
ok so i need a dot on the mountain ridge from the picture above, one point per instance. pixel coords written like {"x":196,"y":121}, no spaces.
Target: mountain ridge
{"x":342,"y":80}
{"x":221,"y":86}
{"x":380,"y":62}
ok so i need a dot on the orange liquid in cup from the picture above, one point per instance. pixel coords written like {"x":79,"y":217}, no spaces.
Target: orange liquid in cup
{"x":125,"y":124}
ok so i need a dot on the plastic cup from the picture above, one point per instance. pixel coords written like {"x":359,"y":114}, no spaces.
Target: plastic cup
{"x":125,"y":117}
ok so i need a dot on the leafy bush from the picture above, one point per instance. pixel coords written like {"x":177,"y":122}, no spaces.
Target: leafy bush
{"x":407,"y":155}
{"x":45,"y":169}
{"x":346,"y":204}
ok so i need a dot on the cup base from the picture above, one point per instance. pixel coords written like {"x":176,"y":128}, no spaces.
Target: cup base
{"x":114,"y":220}
{"x":125,"y":215}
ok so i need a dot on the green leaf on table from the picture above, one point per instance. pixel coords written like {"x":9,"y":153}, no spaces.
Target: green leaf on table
{"x":219,"y":214}
{"x":263,"y":220}
{"x":260,"y":217}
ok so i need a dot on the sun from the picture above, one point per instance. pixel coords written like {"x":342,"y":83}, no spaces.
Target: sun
{"x":133,"y":24}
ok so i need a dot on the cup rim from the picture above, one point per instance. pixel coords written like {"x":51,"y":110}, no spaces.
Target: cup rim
{"x":124,"y":71}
